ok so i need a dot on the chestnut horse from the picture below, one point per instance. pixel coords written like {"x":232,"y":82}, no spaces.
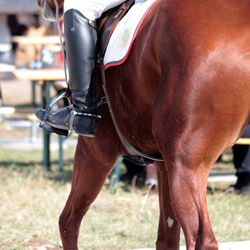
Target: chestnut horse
{"x":184,"y":92}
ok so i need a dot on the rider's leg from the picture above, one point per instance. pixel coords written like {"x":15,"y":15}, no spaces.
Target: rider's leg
{"x":91,"y":9}
{"x":80,"y":43}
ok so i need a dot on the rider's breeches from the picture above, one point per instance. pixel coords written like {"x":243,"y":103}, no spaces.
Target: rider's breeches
{"x":91,"y":9}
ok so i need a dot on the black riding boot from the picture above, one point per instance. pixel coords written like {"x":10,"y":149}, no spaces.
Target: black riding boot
{"x":80,"y":45}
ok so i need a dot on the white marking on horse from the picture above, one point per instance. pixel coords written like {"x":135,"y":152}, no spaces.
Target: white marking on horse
{"x":170,"y":222}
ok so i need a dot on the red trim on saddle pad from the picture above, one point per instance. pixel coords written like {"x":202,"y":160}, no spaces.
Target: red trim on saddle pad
{"x":118,"y":63}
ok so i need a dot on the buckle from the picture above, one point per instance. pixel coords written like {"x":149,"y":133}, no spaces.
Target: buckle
{"x":92,"y":24}
{"x":102,"y":101}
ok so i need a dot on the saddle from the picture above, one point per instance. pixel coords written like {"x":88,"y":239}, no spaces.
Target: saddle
{"x":107,"y":23}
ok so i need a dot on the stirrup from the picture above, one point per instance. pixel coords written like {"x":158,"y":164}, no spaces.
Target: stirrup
{"x":43,"y":122}
{"x":65,"y":95}
{"x":49,"y":107}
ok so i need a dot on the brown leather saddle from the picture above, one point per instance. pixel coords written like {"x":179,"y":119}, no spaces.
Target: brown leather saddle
{"x":107,"y":23}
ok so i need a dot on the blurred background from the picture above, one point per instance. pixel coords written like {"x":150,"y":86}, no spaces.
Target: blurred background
{"x":36,"y":168}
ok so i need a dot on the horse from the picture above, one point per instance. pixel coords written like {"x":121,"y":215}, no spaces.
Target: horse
{"x":184,"y":93}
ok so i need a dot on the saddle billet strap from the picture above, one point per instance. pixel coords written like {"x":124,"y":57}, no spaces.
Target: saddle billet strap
{"x":108,"y":22}
{"x":115,"y":13}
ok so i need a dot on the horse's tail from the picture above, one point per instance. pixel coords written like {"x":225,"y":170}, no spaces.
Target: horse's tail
{"x":48,"y":8}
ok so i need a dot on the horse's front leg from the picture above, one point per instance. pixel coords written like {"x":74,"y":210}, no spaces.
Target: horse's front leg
{"x":92,"y":164}
{"x":169,"y":229}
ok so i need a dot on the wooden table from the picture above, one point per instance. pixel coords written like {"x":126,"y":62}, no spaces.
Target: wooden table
{"x":243,"y":141}
{"x":36,"y":40}
{"x":46,"y":77}
{"x":52,"y":43}
{"x":6,"y":68}
{"x":43,"y":75}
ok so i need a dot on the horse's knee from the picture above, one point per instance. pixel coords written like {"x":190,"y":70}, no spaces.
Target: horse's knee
{"x":73,"y":213}
{"x":68,"y":234}
{"x":69,"y":224}
{"x":62,"y":222}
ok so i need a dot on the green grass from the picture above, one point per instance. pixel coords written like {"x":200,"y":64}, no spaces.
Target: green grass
{"x":32,"y":199}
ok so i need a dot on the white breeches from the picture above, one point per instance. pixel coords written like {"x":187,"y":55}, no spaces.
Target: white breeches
{"x":91,"y":9}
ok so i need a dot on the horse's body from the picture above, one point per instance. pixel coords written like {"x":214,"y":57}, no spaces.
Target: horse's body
{"x":183,"y":92}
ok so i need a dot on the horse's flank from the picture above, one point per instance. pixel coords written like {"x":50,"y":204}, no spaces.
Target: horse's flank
{"x":134,"y":93}
{"x":193,"y":45}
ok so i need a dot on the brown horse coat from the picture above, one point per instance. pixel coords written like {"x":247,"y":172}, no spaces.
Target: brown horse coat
{"x":183,"y":92}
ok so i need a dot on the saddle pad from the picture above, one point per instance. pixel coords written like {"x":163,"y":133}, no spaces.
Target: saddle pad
{"x":124,"y":35}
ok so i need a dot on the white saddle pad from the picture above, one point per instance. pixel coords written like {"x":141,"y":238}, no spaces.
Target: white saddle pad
{"x":125,"y":32}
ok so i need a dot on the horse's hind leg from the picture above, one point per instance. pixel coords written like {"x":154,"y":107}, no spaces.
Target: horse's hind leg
{"x":92,"y":164}
{"x":168,"y":229}
{"x":188,"y":159}
{"x":188,"y":182}
{"x":189,"y":197}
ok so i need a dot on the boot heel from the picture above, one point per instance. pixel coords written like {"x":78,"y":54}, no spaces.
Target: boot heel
{"x":49,"y":129}
{"x":85,"y":126}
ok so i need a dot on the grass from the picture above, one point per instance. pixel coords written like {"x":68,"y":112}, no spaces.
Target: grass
{"x":31,"y":201}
